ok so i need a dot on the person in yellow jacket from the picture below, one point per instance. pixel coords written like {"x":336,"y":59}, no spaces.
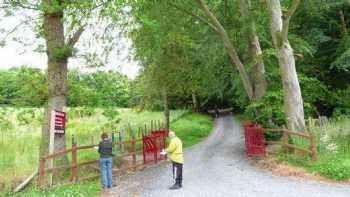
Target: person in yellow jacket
{"x":174,"y":151}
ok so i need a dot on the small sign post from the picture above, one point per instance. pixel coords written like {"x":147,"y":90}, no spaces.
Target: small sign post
{"x":57,"y":127}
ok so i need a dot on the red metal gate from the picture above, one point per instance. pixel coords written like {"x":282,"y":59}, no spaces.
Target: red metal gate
{"x":254,"y":140}
{"x":153,"y":145}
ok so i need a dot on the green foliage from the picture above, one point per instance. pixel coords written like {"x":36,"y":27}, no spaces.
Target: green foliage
{"x":333,"y":148}
{"x":25,"y":116}
{"x":268,"y":111}
{"x":192,"y":128}
{"x":62,"y":53}
{"x":342,"y":63}
{"x":86,"y":188}
{"x":334,"y":168}
{"x":28,"y":87}
{"x":110,"y":113}
{"x":341,"y":101}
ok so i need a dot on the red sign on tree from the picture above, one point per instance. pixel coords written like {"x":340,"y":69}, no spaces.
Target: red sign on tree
{"x":60,"y":122}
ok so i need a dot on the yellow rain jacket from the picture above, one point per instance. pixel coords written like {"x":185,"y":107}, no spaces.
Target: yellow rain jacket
{"x":174,"y":150}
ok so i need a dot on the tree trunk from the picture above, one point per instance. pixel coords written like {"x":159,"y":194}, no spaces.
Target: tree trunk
{"x":166,"y":109}
{"x":56,"y":74}
{"x":229,"y":48}
{"x":293,"y":102}
{"x":258,"y":69}
{"x":195,"y":102}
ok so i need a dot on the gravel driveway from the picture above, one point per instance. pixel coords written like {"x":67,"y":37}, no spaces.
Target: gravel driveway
{"x":217,"y":167}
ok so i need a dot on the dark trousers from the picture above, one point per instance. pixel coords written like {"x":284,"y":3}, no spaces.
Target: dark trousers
{"x":177,"y":173}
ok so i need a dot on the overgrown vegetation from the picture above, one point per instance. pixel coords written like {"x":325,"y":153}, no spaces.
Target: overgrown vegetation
{"x":333,"y":148}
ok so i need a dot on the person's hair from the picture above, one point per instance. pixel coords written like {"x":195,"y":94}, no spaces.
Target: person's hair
{"x":172,"y":134}
{"x":104,"y":135}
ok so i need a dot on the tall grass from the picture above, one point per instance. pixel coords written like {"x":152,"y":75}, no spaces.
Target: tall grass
{"x":333,"y":147}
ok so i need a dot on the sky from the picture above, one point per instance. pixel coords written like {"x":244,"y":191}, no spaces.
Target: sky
{"x":22,"y":52}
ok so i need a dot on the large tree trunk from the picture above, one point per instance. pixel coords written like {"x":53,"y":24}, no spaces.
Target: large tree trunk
{"x":195,"y":102}
{"x":293,"y":101}
{"x":258,"y":69}
{"x":229,"y":48}
{"x":57,"y":74}
{"x":166,"y":109}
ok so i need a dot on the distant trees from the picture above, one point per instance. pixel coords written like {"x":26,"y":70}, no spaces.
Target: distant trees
{"x":26,"y":87}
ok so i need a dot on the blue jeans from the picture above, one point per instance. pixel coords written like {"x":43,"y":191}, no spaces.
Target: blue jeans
{"x":106,"y":172}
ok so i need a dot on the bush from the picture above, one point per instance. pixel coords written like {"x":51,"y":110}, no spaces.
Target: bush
{"x":342,"y":102}
{"x":110,"y":113}
{"x":268,"y":111}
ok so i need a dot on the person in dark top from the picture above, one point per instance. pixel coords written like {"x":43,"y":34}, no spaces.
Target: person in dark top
{"x":106,"y":158}
{"x":216,"y":111}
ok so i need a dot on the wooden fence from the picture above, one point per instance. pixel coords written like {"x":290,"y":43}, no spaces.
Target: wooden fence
{"x":74,"y":165}
{"x":311,"y":150}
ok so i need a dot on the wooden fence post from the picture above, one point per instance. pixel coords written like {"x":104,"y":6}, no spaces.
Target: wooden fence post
{"x":313,"y":147}
{"x":41,"y":172}
{"x":74,"y":167}
{"x":285,"y":137}
{"x":134,"y":152}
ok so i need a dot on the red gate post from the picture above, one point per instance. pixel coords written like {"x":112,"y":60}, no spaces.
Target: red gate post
{"x":254,"y":139}
{"x":155,"y":148}
{"x":143,"y":149}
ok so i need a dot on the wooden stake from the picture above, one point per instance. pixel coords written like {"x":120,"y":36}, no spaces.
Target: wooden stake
{"x":25,"y":182}
{"x":133,"y":147}
{"x":313,"y":147}
{"x":74,"y":176}
{"x":41,"y":172}
{"x":285,"y":140}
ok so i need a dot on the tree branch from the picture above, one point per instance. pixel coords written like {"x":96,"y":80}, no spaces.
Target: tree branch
{"x":194,"y":16}
{"x":24,"y":22}
{"x":343,"y":22}
{"x":14,"y":3}
{"x":287,"y":18}
{"x":229,"y":48}
{"x":74,"y":39}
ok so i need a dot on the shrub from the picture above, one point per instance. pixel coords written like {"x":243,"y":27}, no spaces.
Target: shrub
{"x":268,"y":111}
{"x":334,"y":168}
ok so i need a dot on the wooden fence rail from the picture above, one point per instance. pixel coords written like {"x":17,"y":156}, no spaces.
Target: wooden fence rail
{"x":74,"y":165}
{"x":311,"y":150}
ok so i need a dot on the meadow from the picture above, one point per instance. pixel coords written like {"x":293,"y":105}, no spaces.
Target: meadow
{"x":21,"y":130}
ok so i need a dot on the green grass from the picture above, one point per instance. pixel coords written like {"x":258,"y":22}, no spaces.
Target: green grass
{"x":19,"y":153}
{"x":192,"y":128}
{"x":86,"y":188}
